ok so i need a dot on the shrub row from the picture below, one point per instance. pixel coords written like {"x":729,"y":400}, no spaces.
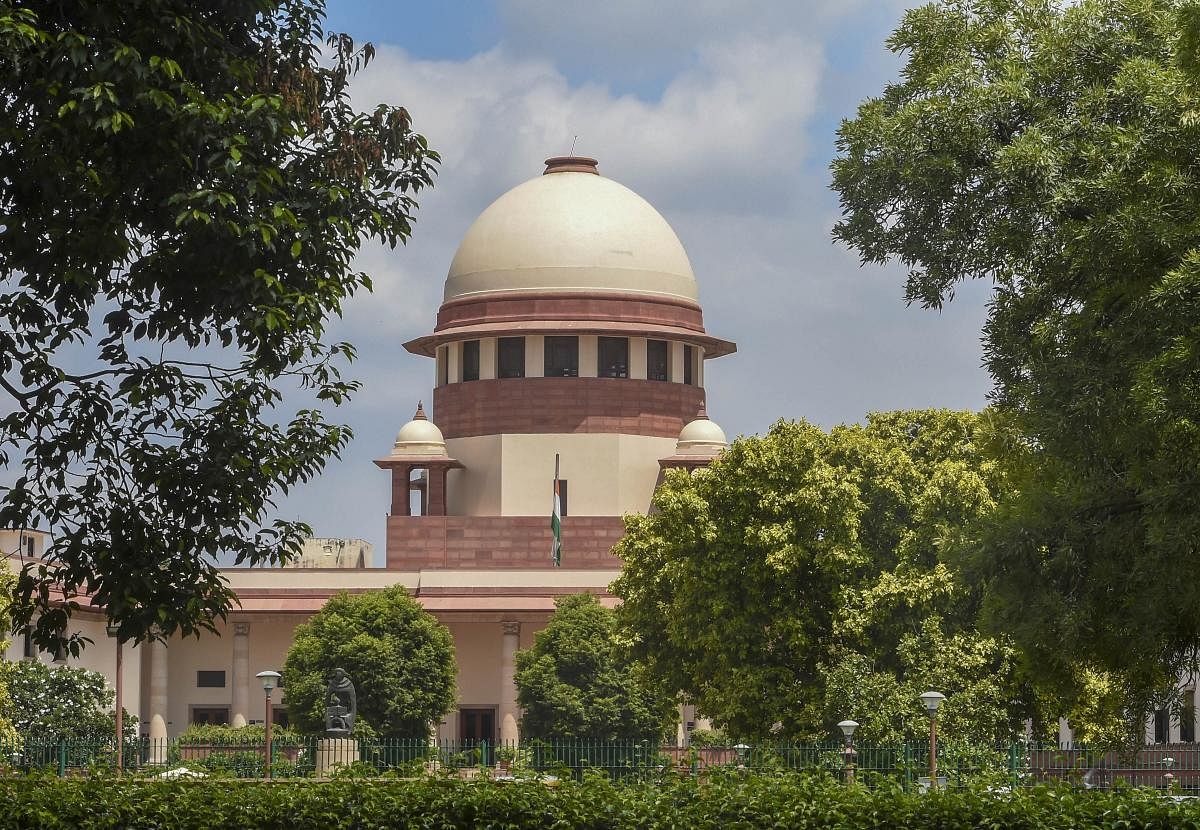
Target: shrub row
{"x":721,"y":801}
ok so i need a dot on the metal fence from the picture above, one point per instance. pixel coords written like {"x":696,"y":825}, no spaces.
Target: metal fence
{"x":1163,"y":766}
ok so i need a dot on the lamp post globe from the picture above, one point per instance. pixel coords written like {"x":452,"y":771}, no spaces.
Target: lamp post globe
{"x":932,"y":701}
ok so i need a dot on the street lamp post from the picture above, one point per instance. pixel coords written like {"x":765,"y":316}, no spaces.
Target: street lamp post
{"x":270,"y":679}
{"x":849,"y":754}
{"x":741,"y":750}
{"x":114,"y":631}
{"x":932,"y":701}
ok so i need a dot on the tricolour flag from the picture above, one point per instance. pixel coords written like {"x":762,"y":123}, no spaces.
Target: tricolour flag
{"x":556,"y":520}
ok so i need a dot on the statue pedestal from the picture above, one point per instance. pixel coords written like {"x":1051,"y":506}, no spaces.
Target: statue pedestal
{"x":335,"y":752}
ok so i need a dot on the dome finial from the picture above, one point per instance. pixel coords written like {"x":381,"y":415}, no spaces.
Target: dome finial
{"x":420,"y":414}
{"x":571,"y":164}
{"x":701,"y":413}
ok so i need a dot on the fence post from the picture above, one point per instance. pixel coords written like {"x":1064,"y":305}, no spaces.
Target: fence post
{"x":62,"y":757}
{"x":483,"y":754}
{"x":908,"y":782}
{"x":1012,"y":765}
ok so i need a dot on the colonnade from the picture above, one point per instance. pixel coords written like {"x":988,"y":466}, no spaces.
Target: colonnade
{"x":242,"y":678}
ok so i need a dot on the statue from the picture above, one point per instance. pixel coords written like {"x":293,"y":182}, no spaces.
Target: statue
{"x":341,"y":705}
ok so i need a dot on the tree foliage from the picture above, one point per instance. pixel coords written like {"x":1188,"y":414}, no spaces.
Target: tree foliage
{"x":183,"y":187}
{"x":399,"y":657}
{"x":1051,"y":149}
{"x":7,"y":581}
{"x":575,"y":682}
{"x":60,"y":702}
{"x":807,"y":577}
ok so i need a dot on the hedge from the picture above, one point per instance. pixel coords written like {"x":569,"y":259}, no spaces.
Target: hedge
{"x":720,"y":801}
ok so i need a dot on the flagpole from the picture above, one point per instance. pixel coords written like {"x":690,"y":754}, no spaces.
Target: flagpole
{"x":556,"y":521}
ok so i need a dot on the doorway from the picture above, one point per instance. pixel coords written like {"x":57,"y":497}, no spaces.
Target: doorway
{"x":477,"y":724}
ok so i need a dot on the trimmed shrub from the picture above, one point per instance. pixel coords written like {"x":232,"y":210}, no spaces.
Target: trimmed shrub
{"x":718,"y":801}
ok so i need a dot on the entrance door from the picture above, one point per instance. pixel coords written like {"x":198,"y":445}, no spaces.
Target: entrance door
{"x":475,"y":725}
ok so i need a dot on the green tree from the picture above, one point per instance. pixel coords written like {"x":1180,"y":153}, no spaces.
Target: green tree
{"x":55,"y":702}
{"x":183,"y":187}
{"x":1051,"y":149}
{"x":807,"y":577}
{"x":575,"y":682}
{"x":399,"y":657}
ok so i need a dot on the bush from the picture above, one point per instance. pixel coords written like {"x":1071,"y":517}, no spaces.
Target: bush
{"x":253,"y":735}
{"x":721,"y":801}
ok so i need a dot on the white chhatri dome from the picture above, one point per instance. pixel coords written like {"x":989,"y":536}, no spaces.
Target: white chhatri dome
{"x":571,"y":230}
{"x":420,"y":436}
{"x":701,"y":437}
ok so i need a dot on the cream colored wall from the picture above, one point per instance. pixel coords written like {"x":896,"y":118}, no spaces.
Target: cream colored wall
{"x":676,"y":358}
{"x":535,"y":356}
{"x":608,"y":474}
{"x":637,"y":358}
{"x":15,"y":542}
{"x":588,"y":355}
{"x":487,"y":358}
{"x":474,"y":491}
{"x":477,"y":650}
{"x":270,"y":638}
{"x":101,"y":656}
{"x":186,"y":656}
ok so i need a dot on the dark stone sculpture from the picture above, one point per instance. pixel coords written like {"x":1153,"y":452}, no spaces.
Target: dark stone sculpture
{"x":341,"y":705}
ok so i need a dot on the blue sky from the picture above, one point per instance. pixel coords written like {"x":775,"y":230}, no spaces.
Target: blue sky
{"x":723,"y":115}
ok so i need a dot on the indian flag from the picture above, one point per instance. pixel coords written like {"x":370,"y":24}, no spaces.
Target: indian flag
{"x":556,"y":520}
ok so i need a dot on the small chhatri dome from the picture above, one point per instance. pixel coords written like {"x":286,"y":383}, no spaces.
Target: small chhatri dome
{"x":420,"y":436}
{"x":571,"y":230}
{"x":701,"y":437}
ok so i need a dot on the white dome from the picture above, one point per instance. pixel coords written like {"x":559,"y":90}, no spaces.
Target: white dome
{"x":701,"y":437}
{"x":571,"y":231}
{"x":420,"y":436}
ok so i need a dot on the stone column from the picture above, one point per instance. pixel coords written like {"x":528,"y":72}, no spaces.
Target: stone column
{"x":401,"y":490}
{"x":510,"y":641}
{"x":241,"y":674}
{"x":158,"y":702}
{"x":436,"y":492}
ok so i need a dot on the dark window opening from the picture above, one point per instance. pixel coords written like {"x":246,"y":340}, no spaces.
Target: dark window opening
{"x":210,"y":679}
{"x":475,"y":725}
{"x":510,"y":357}
{"x":443,"y":361}
{"x":562,"y":357}
{"x":470,"y":360}
{"x":658,"y":361}
{"x":215,"y":715}
{"x":1162,"y":726}
{"x":689,"y":359}
{"x":614,"y":357}
{"x":279,"y":716}
{"x":28,"y":649}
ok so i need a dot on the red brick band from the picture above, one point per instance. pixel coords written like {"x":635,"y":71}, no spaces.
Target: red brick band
{"x":500,"y":542}
{"x":566,"y":405}
{"x":579,"y":307}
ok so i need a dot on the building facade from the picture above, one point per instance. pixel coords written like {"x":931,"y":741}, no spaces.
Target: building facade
{"x":570,"y":330}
